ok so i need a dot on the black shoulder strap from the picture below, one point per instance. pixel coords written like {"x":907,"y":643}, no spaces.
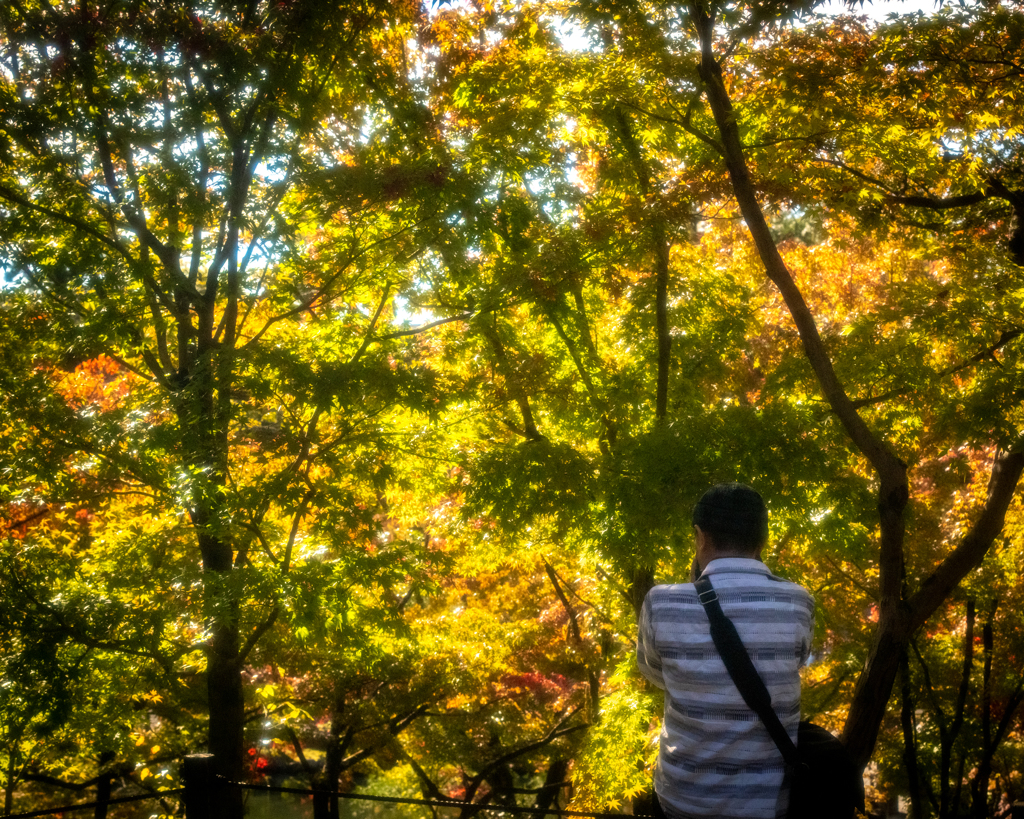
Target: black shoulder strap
{"x":741,"y":669}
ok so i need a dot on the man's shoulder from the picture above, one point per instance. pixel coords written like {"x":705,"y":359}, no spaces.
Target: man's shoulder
{"x":794,"y":589}
{"x":733,"y":578}
{"x":774,"y":581}
{"x":750,"y":582}
{"x":672,"y":592}
{"x":747,"y":572}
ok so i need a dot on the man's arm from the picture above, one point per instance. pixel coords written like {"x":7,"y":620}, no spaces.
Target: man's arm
{"x":647,"y":658}
{"x":805,"y":652}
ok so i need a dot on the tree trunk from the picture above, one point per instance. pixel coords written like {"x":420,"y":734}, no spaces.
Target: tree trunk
{"x":642,"y":582}
{"x":979,"y":787}
{"x":553,"y":783}
{"x":104,"y":783}
{"x":203,"y":413}
{"x":224,"y":690}
{"x":908,"y":721}
{"x":335,"y":750}
{"x":948,"y":804}
{"x":660,"y":246}
{"x":899,"y":615}
{"x":9,"y":787}
{"x":872,"y":691}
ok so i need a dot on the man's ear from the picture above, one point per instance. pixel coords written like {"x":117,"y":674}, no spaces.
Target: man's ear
{"x":705,"y":546}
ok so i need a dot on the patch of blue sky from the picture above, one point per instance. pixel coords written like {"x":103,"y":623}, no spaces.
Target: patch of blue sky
{"x":878,"y":10}
{"x":408,"y":316}
{"x":574,"y":37}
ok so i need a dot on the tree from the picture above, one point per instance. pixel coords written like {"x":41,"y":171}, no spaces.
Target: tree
{"x":156,"y":165}
{"x":83,"y":678}
{"x":550,"y":265}
{"x":515,"y":697}
{"x":669,"y":63}
{"x":220,"y":222}
{"x":902,"y":610}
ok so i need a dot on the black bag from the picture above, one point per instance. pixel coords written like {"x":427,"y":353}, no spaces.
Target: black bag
{"x":827,"y":783}
{"x":824,"y":781}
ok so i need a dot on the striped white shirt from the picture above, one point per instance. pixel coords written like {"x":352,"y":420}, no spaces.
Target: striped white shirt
{"x":716,"y":758}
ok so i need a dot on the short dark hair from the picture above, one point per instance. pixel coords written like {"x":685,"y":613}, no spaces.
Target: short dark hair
{"x":734,"y":516}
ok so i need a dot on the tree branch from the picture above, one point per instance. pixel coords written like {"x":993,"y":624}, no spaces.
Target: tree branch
{"x":660,"y":246}
{"x":922,"y":200}
{"x":395,"y":726}
{"x":1006,"y":472}
{"x":70,"y":221}
{"x":556,"y":731}
{"x":1005,"y":338}
{"x":875,"y":684}
{"x":515,"y":387}
{"x":423,"y":328}
{"x":935,"y":203}
{"x":368,"y":338}
{"x":565,"y":603}
{"x":257,"y":633}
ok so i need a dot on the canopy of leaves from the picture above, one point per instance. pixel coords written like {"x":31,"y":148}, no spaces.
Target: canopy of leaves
{"x":361,"y":364}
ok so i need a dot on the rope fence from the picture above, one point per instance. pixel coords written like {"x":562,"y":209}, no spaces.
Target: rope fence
{"x":86,"y":805}
{"x":432,"y":803}
{"x":200,"y":785}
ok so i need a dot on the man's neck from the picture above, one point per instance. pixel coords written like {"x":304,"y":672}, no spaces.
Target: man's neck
{"x":728,"y":553}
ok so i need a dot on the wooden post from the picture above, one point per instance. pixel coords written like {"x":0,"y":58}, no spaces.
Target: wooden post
{"x":104,"y":783}
{"x":197,"y":774}
{"x":321,"y":804}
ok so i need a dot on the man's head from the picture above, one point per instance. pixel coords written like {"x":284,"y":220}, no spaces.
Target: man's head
{"x":733,"y":517}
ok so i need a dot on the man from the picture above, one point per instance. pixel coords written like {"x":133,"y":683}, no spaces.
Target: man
{"x":716,"y":758}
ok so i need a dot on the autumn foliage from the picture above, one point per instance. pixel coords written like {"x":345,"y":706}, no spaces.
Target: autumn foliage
{"x":361,"y":365}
